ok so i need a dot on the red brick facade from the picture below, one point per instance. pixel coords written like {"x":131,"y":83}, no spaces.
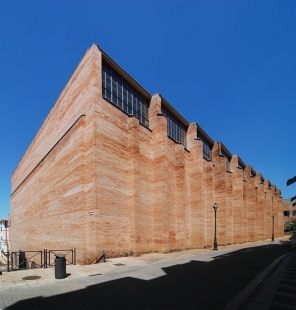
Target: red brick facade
{"x":94,"y":178}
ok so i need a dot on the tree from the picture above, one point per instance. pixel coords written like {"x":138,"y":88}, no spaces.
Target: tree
{"x":291,"y":224}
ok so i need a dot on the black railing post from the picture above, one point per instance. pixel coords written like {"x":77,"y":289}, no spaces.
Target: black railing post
{"x":45,"y":259}
{"x":12,"y":262}
{"x":74,"y":256}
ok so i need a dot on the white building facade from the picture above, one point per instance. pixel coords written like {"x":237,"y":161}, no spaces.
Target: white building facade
{"x":4,"y":240}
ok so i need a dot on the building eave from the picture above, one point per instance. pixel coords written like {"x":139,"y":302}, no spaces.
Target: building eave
{"x":223,"y":147}
{"x":124,"y":74}
{"x":207,"y":137}
{"x":173,"y":111}
{"x":241,"y":162}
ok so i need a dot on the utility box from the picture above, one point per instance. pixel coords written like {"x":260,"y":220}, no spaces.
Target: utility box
{"x":60,"y":266}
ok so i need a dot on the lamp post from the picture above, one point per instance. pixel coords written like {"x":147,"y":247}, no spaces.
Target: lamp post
{"x":215,"y":237}
{"x":272,"y":236}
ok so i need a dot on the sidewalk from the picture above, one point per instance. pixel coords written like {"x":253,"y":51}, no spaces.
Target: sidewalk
{"x":279,"y":292}
{"x":274,"y":288}
{"x":198,"y":279}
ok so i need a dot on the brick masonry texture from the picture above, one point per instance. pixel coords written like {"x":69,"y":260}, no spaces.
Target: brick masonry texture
{"x":288,"y":206}
{"x":94,"y":178}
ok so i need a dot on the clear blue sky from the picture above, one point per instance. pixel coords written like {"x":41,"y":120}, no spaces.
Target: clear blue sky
{"x":228,"y":65}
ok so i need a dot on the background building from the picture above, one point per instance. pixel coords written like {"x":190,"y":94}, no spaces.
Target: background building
{"x":4,"y":240}
{"x":115,"y":168}
{"x":289,"y":210}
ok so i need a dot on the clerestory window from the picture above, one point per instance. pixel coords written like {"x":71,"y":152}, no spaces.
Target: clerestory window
{"x":176,"y":130}
{"x":227,"y":160}
{"x":123,"y":95}
{"x":207,"y":147}
{"x":239,"y":165}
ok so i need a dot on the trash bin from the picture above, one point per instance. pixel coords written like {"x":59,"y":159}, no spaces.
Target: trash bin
{"x":60,"y":266}
{"x":22,"y":260}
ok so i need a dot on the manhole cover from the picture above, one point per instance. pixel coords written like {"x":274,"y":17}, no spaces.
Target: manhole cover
{"x":119,"y":264}
{"x":97,"y":274}
{"x":31,"y":278}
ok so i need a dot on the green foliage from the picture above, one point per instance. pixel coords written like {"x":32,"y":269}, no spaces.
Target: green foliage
{"x":291,"y":224}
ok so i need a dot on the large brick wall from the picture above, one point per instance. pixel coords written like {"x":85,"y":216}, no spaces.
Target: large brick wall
{"x":53,"y":185}
{"x":94,"y":178}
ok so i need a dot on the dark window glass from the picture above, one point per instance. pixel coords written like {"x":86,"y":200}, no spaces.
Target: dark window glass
{"x":176,"y":130}
{"x":227,"y":160}
{"x":239,"y":165}
{"x":207,"y":147}
{"x":294,"y":212}
{"x":123,"y":95}
{"x":287,"y":213}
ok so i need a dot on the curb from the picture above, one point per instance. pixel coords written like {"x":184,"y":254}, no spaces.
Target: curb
{"x":243,"y":295}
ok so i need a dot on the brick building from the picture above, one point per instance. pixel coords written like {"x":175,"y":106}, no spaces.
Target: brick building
{"x":115,"y":168}
{"x":289,"y":210}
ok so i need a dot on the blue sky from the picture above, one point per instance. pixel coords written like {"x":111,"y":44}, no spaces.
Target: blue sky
{"x":228,"y":65}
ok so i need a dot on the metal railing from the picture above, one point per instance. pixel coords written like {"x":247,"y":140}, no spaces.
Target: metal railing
{"x":98,"y":258}
{"x":21,"y":260}
{"x":4,"y":254}
{"x":42,"y":259}
{"x":49,"y":260}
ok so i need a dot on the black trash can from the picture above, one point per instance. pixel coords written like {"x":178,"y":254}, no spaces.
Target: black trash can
{"x":22,"y":260}
{"x":60,"y":266}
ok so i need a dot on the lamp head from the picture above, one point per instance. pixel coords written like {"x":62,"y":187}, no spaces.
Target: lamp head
{"x":273,"y":216}
{"x":215,"y":206}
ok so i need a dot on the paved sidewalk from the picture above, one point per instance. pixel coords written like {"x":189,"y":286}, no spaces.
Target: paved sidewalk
{"x":274,"y":288}
{"x":196,"y":279}
{"x":279,"y":291}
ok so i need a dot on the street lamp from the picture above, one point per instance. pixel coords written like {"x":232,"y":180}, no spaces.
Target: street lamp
{"x":272,"y":236}
{"x":215,"y":237}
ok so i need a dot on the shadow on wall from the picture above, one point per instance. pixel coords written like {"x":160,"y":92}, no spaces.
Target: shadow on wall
{"x":193,"y":285}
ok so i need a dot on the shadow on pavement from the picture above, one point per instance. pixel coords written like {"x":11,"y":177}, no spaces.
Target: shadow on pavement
{"x":193,"y":285}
